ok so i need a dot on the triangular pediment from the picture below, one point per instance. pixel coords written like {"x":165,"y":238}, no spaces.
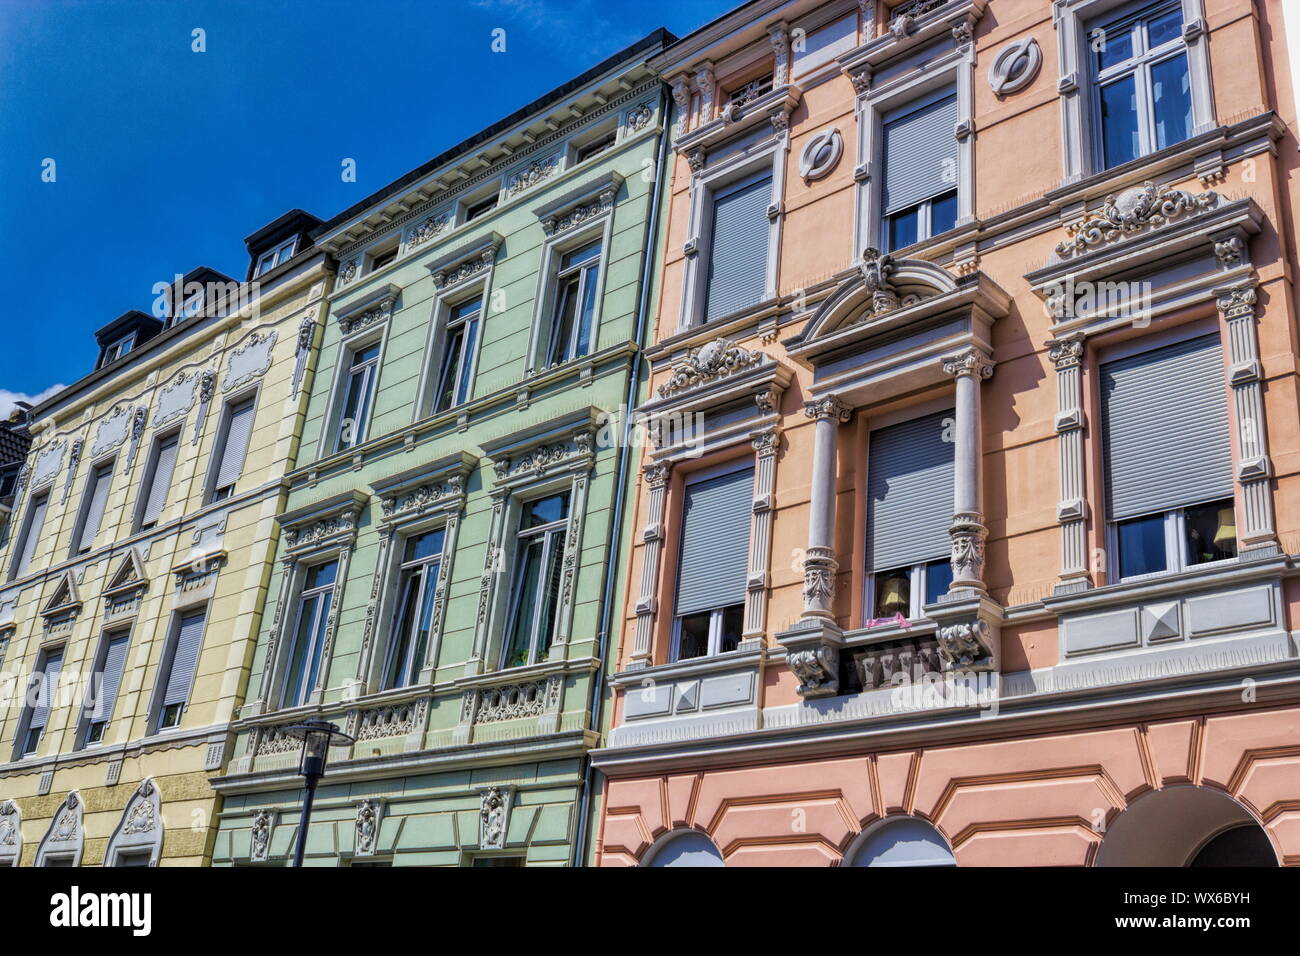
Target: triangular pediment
{"x":129,"y":574}
{"x":64,"y":598}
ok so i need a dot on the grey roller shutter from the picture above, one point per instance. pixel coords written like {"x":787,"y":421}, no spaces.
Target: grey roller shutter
{"x":714,"y":563}
{"x":161,"y":479}
{"x":909,"y":492}
{"x":1165,"y":425}
{"x":238,"y":428}
{"x":186,"y":655}
{"x":114,"y":662}
{"x":45,"y":697}
{"x":35,"y":520}
{"x":920,"y":154}
{"x":738,"y":256}
{"x":94,"y":516}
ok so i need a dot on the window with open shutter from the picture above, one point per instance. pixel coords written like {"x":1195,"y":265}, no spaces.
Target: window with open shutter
{"x":92,"y":515}
{"x":180,"y":673}
{"x":160,"y":479}
{"x":234,"y":446}
{"x":910,"y":492}
{"x":738,"y":247}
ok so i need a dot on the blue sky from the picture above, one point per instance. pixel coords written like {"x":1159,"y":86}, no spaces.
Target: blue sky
{"x":166,"y":158}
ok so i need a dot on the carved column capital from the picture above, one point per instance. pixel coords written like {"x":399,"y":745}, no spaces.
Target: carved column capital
{"x":970,"y":361}
{"x":1237,"y":301}
{"x":828,"y":407}
{"x":1066,"y":351}
{"x":656,"y":474}
{"x":767,"y":441}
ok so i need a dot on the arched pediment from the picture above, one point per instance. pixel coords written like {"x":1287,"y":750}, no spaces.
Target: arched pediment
{"x":881,"y":284}
{"x":139,"y":834}
{"x":65,"y":838}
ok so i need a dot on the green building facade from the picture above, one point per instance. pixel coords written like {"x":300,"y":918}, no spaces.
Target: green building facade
{"x":448,"y":563}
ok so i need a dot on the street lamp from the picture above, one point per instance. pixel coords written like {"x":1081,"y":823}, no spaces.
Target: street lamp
{"x":317,"y":737}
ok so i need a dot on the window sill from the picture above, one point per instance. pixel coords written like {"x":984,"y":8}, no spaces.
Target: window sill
{"x":694,"y":666}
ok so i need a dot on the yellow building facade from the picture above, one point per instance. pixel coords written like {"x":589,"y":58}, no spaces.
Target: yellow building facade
{"x":136,"y":562}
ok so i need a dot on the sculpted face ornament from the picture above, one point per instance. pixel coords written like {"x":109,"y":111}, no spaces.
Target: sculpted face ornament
{"x":876,"y":270}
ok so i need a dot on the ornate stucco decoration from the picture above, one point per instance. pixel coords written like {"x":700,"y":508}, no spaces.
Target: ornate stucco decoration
{"x":316,"y":533}
{"x":639,"y":117}
{"x":373,"y":313}
{"x":302,"y":350}
{"x":1230,"y":252}
{"x":175,"y":399}
{"x":583,"y":212}
{"x":389,"y":720}
{"x":11,"y":833}
{"x":139,"y":418}
{"x":423,"y":497}
{"x":494,"y":817}
{"x":112,"y":432}
{"x":61,"y":610}
{"x":74,"y":459}
{"x":1134,"y":210}
{"x":906,"y":15}
{"x":817,"y":668}
{"x":369,"y":813}
{"x":428,"y":228}
{"x":536,"y":460}
{"x":532,"y":174}
{"x":967,"y":644}
{"x":821,"y":154}
{"x":259,"y":846}
{"x":65,"y":837}
{"x":348,"y":271}
{"x":48,"y":462}
{"x":126,"y":586}
{"x":512,"y":701}
{"x":207,"y":385}
{"x":1015,"y":66}
{"x":709,"y":363}
{"x":141,"y":828}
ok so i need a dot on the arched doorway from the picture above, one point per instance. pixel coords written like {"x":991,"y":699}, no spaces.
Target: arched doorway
{"x":684,"y":848}
{"x":901,"y":841}
{"x":1186,"y":826}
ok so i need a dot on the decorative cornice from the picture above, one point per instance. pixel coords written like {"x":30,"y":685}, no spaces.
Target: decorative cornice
{"x":375,"y":309}
{"x":1132,"y":211}
{"x":709,"y":363}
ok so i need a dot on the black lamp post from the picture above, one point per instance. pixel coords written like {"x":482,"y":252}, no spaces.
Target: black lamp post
{"x":317,"y":737}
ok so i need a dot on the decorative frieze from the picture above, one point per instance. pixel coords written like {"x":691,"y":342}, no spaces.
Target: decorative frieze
{"x":581,"y":213}
{"x":249,"y":361}
{"x":175,"y":399}
{"x":709,"y":363}
{"x":390,"y":720}
{"x":112,"y":432}
{"x":375,"y":313}
{"x":1134,"y":210}
{"x":428,"y":228}
{"x":531,"y":175}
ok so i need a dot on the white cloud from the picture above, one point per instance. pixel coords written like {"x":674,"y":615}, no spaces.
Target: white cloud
{"x":7,"y":398}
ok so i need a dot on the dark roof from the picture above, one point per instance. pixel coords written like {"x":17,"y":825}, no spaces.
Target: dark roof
{"x":291,"y":223}
{"x":135,"y":319}
{"x":658,"y":39}
{"x":14,"y":442}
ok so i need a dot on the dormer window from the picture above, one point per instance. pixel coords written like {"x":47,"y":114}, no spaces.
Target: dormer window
{"x":192,"y":306}
{"x":119,"y":348}
{"x":281,"y":253}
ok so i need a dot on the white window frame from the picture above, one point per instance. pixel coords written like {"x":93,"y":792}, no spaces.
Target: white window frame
{"x":608,"y":130}
{"x":21,"y":541}
{"x":476,"y":199}
{"x":393,"y":246}
{"x":347,"y":369}
{"x":106,"y":637}
{"x":1175,"y":534}
{"x":917,"y":579}
{"x":274,"y":257}
{"x":556,"y":534}
{"x":298,"y":585}
{"x":715,"y":614}
{"x":150,"y":473}
{"x":116,"y":349}
{"x":436,"y":350}
{"x":168,"y":660}
{"x":24,"y":726}
{"x":1081,"y":138}
{"x":768,"y":153}
{"x":558,"y":279}
{"x":954,"y":71}
{"x":433,"y":569}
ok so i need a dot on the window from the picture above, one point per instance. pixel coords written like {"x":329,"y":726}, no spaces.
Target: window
{"x":739,"y":247}
{"x":535,"y":588}
{"x":119,"y":348}
{"x":178,"y":674}
{"x":103,"y":691}
{"x":416,"y":592}
{"x":135,"y":858}
{"x":906,"y":841}
{"x":308,"y":647}
{"x":713,"y":567}
{"x":1168,"y":458}
{"x":358,"y":393}
{"x":44,"y":684}
{"x":158,"y":479}
{"x":231,"y":449}
{"x":475,"y":209}
{"x":31,"y":533}
{"x":92,"y":507}
{"x":685,"y":848}
{"x":920,"y":157}
{"x":575,"y":305}
{"x":748,"y":92}
{"x":281,"y":253}
{"x":384,"y":258}
{"x":456,"y":371}
{"x":595,"y":147}
{"x":1143,"y":97}
{"x":909,"y":508}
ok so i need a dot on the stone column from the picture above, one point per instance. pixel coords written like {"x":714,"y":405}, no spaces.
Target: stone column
{"x":820,"y":565}
{"x":969,"y":367}
{"x":1066,"y":354}
{"x":1245,"y":374}
{"x":656,"y":478}
{"x":765,"y":442}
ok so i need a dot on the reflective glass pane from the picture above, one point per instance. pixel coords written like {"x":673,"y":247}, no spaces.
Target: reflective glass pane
{"x":545,"y":510}
{"x":467,"y":361}
{"x":424,"y":545}
{"x":893,"y":593}
{"x":588,"y":311}
{"x":938,"y":578}
{"x":1171,"y":93}
{"x":733,"y":625}
{"x":1165,"y":28}
{"x":450,"y":364}
{"x":523,"y":599}
{"x":549,"y":599}
{"x":1142,"y":546}
{"x":943,"y":213}
{"x":579,"y":256}
{"x":321,"y":575}
{"x":1211,"y":532}
{"x":1112,"y":43}
{"x":694,"y":640}
{"x":1119,"y":122}
{"x":904,"y":228}
{"x":566,"y":309}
